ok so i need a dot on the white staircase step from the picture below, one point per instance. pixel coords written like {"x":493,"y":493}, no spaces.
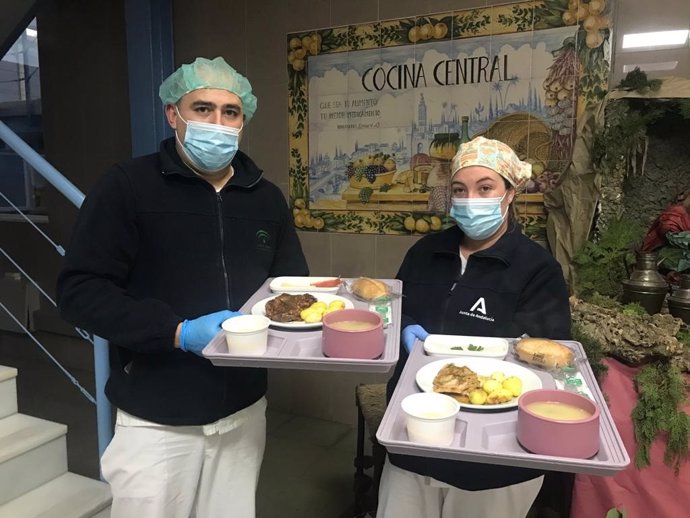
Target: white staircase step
{"x":67,"y":496}
{"x":8,"y":391}
{"x":32,"y":452}
{"x":105,"y":513}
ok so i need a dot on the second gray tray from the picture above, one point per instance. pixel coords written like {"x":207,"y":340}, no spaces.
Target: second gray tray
{"x":289,"y":349}
{"x":490,"y":437}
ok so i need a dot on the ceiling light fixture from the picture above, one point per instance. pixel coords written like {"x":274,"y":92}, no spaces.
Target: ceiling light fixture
{"x":651,"y":67}
{"x":32,"y":33}
{"x":655,"y":39}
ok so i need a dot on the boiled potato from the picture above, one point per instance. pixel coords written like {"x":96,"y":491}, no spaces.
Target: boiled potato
{"x":321,"y":306}
{"x":513,"y":384}
{"x":310,"y":316}
{"x":491,"y":386}
{"x":499,"y":396}
{"x":336,"y":304}
{"x":498,"y":376}
{"x":478,"y":397}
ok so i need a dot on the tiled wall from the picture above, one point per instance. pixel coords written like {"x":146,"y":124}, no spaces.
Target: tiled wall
{"x":251,"y":36}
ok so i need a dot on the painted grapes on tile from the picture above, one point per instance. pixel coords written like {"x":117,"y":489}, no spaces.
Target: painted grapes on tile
{"x":376,"y":111}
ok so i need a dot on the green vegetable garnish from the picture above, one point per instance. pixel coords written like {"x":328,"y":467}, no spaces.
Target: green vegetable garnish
{"x":456,"y":348}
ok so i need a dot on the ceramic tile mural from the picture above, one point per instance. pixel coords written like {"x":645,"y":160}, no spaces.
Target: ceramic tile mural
{"x":376,"y":111}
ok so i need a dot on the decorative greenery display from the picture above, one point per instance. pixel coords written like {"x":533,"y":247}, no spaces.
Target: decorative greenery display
{"x":683,"y":336}
{"x":593,"y":350}
{"x":604,"y":301}
{"x":684,"y":108}
{"x":633,"y":309}
{"x":616,"y":150}
{"x":600,"y":265}
{"x":661,"y":395}
{"x":627,"y":121}
{"x":623,"y":135}
{"x":637,"y":80}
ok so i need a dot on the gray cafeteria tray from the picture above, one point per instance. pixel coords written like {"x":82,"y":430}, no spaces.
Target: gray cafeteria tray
{"x":289,"y":349}
{"x":490,"y":437}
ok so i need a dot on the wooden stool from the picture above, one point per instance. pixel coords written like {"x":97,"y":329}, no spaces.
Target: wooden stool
{"x":371,"y":405}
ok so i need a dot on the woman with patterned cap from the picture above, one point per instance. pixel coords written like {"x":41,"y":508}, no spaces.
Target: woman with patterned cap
{"x":482,"y":277}
{"x":168,"y":246}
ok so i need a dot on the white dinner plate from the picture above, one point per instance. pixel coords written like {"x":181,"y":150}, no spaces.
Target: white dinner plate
{"x":483,"y":367}
{"x":260,"y":309}
{"x":459,"y":345}
{"x":301,"y":285}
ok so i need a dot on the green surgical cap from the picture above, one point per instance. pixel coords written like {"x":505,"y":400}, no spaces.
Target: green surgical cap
{"x":208,"y":73}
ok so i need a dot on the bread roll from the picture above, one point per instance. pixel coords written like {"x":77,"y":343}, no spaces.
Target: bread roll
{"x":370,"y":289}
{"x":543,"y":352}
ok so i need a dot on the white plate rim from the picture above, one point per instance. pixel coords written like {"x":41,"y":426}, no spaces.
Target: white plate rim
{"x":433,"y":346}
{"x":530,"y":381}
{"x":274,"y":285}
{"x":260,"y":309}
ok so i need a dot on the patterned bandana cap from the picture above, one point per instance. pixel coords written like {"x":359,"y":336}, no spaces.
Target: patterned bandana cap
{"x":208,"y":73}
{"x":496,"y":156}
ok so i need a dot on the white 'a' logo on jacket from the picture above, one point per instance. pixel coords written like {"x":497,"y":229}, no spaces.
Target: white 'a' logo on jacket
{"x":479,"y":306}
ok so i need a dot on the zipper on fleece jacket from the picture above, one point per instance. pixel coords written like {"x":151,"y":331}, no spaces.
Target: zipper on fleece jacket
{"x":219,"y":200}
{"x":446,"y":302}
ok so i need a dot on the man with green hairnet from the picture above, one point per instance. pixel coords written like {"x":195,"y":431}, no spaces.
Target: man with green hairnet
{"x":166,"y":247}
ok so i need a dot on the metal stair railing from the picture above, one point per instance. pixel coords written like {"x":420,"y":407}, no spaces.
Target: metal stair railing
{"x":101,"y":362}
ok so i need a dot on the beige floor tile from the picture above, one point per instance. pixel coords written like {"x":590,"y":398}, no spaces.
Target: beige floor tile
{"x":275,"y":419}
{"x":302,"y":480}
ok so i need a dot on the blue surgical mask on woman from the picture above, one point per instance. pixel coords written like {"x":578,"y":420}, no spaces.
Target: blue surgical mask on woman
{"x":478,"y":218}
{"x":209,"y":147}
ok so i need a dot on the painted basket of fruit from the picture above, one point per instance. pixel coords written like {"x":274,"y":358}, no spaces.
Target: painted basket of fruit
{"x":371,"y":171}
{"x":444,"y":146}
{"x":529,"y":136}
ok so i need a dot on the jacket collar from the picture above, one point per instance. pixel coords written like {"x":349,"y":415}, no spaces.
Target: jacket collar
{"x":247,"y":173}
{"x":502,"y":249}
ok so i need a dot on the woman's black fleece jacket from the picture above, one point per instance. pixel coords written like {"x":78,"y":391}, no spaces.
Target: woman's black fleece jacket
{"x":511,"y":288}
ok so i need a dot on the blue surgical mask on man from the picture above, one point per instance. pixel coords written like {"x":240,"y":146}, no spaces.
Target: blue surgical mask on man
{"x":478,"y":218}
{"x":209,"y":147}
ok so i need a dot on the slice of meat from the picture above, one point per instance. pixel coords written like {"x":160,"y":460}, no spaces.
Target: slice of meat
{"x":286,"y":307}
{"x":456,"y":381}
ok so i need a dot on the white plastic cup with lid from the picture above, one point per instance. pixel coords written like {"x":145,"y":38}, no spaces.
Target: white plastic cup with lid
{"x":246,"y":335}
{"x":430,"y":418}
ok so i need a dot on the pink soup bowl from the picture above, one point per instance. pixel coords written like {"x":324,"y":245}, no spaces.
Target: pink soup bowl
{"x":558,"y":438}
{"x":363,"y":344}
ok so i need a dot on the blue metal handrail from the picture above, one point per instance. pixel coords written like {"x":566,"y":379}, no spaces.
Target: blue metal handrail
{"x":41,"y":165}
{"x":74,"y":195}
{"x":86,"y":336}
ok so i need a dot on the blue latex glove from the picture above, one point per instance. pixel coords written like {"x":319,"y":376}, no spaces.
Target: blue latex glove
{"x":196,"y":334}
{"x":412,"y":333}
